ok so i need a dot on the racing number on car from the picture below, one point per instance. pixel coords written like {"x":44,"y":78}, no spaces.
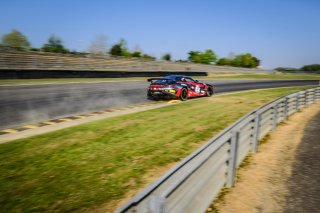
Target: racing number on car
{"x":197,"y":89}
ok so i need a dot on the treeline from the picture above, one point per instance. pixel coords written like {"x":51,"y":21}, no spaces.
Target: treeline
{"x":17,"y":40}
{"x":312,"y":68}
{"x":120,"y":49}
{"x":241,"y":60}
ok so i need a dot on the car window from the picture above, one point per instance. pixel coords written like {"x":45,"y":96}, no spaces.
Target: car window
{"x":189,"y":80}
{"x":178,"y":79}
{"x":163,"y":81}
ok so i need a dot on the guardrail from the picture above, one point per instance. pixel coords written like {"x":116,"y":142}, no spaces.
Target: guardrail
{"x":197,"y":180}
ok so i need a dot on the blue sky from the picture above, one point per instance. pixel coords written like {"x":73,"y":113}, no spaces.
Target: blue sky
{"x":279,"y":32}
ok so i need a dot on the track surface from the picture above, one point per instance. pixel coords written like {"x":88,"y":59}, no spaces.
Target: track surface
{"x":26,"y":104}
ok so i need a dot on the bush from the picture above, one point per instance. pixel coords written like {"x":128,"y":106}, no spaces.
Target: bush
{"x":311,"y":68}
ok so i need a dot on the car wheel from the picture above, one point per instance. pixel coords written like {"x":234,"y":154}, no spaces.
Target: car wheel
{"x":184,"y":94}
{"x":210,"y":91}
{"x":152,"y":98}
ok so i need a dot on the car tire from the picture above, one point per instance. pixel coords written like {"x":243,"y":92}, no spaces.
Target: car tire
{"x":152,"y":98}
{"x":210,"y":91}
{"x":184,"y":94}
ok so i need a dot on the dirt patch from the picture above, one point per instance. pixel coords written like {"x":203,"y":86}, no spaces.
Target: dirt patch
{"x":304,"y":188}
{"x":262,"y":186}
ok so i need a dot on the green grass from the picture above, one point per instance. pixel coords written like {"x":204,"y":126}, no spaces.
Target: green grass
{"x":83,"y":168}
{"x":262,"y":76}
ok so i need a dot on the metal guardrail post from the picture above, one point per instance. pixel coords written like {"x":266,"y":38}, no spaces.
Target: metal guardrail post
{"x":314,"y":94}
{"x":231,"y":176}
{"x":309,"y":97}
{"x":313,"y":97}
{"x":275,"y":115}
{"x":297,"y":102}
{"x":256,"y":132}
{"x":286,"y":108}
{"x":156,"y":205}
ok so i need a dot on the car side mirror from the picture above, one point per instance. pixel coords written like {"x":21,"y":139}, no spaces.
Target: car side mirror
{"x":196,"y":81}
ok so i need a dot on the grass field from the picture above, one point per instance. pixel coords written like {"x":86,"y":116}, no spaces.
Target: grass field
{"x":213,"y":76}
{"x":262,"y":76}
{"x":91,"y":167}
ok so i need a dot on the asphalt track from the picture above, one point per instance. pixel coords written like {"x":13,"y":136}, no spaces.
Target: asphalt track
{"x":25,"y":104}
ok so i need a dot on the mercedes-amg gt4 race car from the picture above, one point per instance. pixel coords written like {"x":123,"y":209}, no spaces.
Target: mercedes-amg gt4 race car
{"x":177,"y":87}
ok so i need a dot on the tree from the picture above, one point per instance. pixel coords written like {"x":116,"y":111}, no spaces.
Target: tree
{"x":116,"y":50}
{"x":256,"y":61}
{"x":286,"y":69}
{"x":120,"y":49}
{"x":206,"y":57}
{"x":241,"y":60}
{"x":136,"y":54}
{"x":166,"y":57}
{"x":54,"y":45}
{"x":194,"y":56}
{"x":99,"y":45}
{"x":126,"y":53}
{"x":16,"y":40}
{"x":224,"y":61}
{"x":311,"y":67}
{"x":245,"y":60}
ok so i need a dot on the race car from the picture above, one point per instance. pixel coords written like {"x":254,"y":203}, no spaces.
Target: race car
{"x":177,"y":87}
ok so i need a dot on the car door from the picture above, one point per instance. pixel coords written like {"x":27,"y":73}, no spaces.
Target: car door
{"x":195,"y":86}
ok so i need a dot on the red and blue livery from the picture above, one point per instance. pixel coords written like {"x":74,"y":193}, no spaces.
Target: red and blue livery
{"x":177,"y":87}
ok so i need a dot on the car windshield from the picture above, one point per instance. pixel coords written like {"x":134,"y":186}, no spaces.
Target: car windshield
{"x":163,"y":81}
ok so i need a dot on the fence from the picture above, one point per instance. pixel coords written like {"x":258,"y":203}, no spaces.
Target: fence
{"x":197,"y":180}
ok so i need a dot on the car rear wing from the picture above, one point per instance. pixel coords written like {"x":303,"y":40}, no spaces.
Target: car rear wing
{"x":153,"y":79}
{"x":164,"y":80}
